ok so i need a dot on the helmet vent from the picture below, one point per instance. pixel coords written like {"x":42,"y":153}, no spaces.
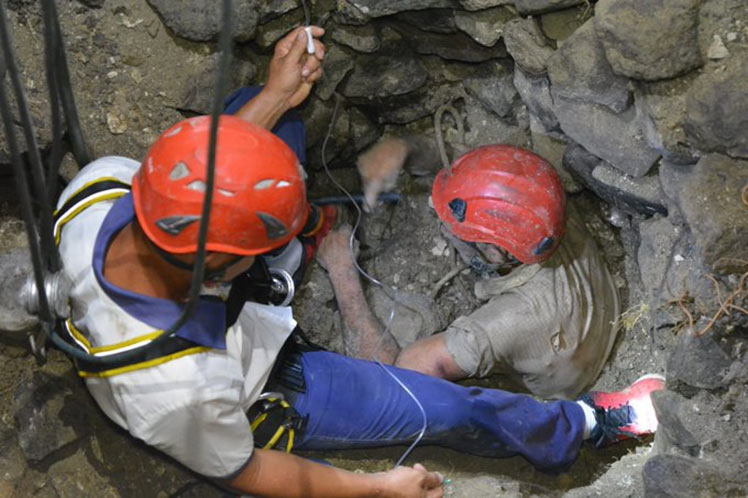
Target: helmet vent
{"x":263,"y":184}
{"x":302,"y":171}
{"x":226,"y":193}
{"x":282,"y":184}
{"x":274,"y":228}
{"x":544,"y":245}
{"x":197,"y":186}
{"x":458,"y":208}
{"x":179,"y":171}
{"x":174,"y":225}
{"x":173,"y":132}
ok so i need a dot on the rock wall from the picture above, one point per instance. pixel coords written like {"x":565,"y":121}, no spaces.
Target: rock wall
{"x":642,"y":102}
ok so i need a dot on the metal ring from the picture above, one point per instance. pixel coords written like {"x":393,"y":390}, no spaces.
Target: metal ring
{"x":284,"y":278}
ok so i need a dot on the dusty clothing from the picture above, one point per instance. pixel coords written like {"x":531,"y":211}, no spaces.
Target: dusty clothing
{"x":550,"y":325}
{"x":190,"y":405}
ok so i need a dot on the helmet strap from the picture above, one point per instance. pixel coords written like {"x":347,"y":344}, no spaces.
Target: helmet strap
{"x":470,"y":254}
{"x":210,"y":276}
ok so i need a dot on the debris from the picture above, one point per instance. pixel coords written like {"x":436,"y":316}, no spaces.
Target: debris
{"x":717,"y":49}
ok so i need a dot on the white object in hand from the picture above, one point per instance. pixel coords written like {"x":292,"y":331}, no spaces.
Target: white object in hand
{"x":309,"y":40}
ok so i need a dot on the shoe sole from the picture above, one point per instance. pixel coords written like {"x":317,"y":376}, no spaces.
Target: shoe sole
{"x":650,"y":376}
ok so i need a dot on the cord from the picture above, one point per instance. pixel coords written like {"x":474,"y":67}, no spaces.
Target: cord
{"x":359,"y":216}
{"x":41,"y":254}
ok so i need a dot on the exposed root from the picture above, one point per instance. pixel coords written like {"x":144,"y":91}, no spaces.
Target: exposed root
{"x":726,"y":306}
{"x":681,"y":302}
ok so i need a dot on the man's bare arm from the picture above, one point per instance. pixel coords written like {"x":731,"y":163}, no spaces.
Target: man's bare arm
{"x":281,"y":475}
{"x":363,"y":335}
{"x":291,"y":74}
{"x":431,"y":357}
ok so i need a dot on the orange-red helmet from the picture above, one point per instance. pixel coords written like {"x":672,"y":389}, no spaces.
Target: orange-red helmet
{"x":505,"y":196}
{"x":259,"y":198}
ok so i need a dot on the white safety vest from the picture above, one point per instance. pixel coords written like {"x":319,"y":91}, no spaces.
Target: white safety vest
{"x":190,"y":404}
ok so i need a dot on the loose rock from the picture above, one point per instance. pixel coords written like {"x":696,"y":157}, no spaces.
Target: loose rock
{"x":619,"y":139}
{"x":710,"y":123}
{"x":708,"y":195}
{"x":633,"y":195}
{"x":458,"y":46}
{"x":579,"y":71}
{"x":385,"y":76}
{"x":493,"y":87}
{"x":361,"y":39}
{"x":535,"y":92}
{"x":649,"y":40}
{"x":200,"y":20}
{"x":527,"y":45}
{"x":486,"y":26}
{"x":37,"y":405}
{"x":15,"y":267}
{"x":336,"y":66}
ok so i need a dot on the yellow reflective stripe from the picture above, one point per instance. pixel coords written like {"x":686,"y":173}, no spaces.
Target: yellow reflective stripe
{"x":144,"y":364}
{"x":111,"y":347}
{"x":77,"y":335}
{"x":120,"y":345}
{"x":88,"y":184}
{"x":105,"y":195}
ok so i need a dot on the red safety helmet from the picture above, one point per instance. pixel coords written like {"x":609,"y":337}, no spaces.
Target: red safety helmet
{"x":505,"y":196}
{"x":259,"y":198}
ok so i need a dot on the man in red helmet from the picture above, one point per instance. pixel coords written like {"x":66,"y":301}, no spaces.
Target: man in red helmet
{"x":552,"y":306}
{"x":229,"y":378}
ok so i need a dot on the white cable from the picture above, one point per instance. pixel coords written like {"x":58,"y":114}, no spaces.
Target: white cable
{"x":359,"y":215}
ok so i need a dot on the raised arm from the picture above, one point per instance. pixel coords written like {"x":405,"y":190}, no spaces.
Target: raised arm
{"x":291,"y":74}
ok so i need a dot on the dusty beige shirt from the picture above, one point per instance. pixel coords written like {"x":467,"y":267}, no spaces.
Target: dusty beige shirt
{"x":550,"y":326}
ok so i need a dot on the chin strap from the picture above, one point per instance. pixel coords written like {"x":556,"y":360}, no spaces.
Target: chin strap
{"x":470,"y":254}
{"x":209,"y":276}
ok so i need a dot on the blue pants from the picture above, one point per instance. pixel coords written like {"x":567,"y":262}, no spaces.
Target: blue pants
{"x":352,"y":403}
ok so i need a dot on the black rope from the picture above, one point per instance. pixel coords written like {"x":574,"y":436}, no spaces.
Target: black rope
{"x":20,"y":177}
{"x":55,"y":156}
{"x":65,"y":89}
{"x":50,"y":257}
{"x":37,"y":252}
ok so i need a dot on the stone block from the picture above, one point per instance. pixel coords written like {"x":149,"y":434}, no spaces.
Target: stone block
{"x":579,"y":71}
{"x":200,"y":20}
{"x":708,"y":195}
{"x":649,"y":39}
{"x":527,"y":45}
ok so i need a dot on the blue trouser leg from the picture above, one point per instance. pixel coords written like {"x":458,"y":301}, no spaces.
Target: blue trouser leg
{"x":351,"y":403}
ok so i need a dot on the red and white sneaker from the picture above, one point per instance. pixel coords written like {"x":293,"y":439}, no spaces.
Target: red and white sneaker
{"x":624,"y":414}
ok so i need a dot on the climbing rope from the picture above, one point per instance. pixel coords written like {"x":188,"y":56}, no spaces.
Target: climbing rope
{"x":438,"y":115}
{"x":44,"y":254}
